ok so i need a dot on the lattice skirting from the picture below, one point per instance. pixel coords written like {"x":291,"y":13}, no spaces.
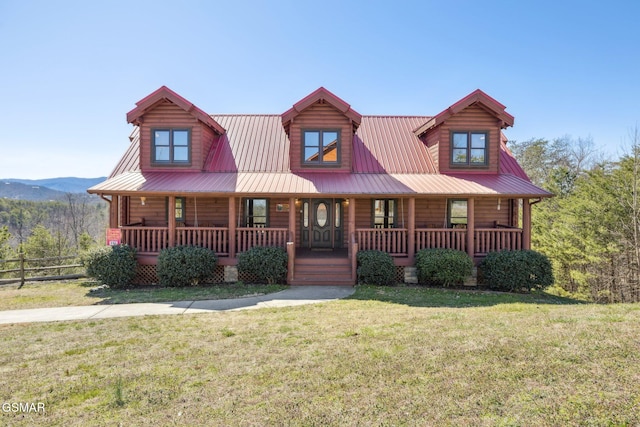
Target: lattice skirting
{"x":146,"y":275}
{"x":399,"y":274}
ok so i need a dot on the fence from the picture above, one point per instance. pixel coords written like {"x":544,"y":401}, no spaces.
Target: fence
{"x":23,"y":271}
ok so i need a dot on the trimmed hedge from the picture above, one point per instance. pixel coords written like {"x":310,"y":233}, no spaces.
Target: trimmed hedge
{"x":515,"y":271}
{"x":266,"y":264}
{"x":182,"y":266}
{"x":443,"y":267}
{"x":114,"y":266}
{"x":375,"y":268}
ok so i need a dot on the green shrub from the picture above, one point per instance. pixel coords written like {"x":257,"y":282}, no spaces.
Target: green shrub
{"x":182,"y":266}
{"x":112,"y":265}
{"x":515,"y":271}
{"x":376,"y":268}
{"x":443,"y":267}
{"x":265,"y":264}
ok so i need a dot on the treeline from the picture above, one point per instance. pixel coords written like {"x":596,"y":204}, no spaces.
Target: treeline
{"x":591,"y":229}
{"x":53,"y":228}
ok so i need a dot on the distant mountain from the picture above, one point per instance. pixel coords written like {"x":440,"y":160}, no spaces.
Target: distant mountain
{"x":66,"y":185}
{"x":45,"y":189}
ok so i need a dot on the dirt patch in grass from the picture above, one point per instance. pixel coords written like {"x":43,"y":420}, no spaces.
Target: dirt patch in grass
{"x":352,"y":362}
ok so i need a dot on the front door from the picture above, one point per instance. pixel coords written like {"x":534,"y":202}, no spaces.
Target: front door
{"x":321,"y":223}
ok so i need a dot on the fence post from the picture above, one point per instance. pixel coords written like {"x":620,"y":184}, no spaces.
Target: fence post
{"x":21,"y":257}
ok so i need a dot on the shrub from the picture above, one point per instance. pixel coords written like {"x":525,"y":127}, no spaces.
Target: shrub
{"x":112,"y":265}
{"x":515,"y":271}
{"x":375,"y":268}
{"x":266,"y":264}
{"x":185,"y":265}
{"x":443,"y":267}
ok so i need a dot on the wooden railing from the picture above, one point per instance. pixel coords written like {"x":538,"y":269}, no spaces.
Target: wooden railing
{"x":390,"y":240}
{"x":497,"y":239}
{"x":248,"y":237}
{"x":448,"y":238}
{"x":146,"y":239}
{"x":214,"y":238}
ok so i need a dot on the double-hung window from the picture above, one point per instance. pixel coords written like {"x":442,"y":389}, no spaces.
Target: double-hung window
{"x":171,"y":146}
{"x":321,"y":147}
{"x":458,"y":213}
{"x":469,"y":148}
{"x":384,"y":213}
{"x":256,"y":212}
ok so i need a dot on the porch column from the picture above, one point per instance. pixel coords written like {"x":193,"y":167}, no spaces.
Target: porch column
{"x":172,"y":221}
{"x":114,"y":212}
{"x":471,"y":226}
{"x":232,"y":227}
{"x":526,"y":224}
{"x":411,"y":239}
{"x":351,"y":229}
{"x":292,"y":219}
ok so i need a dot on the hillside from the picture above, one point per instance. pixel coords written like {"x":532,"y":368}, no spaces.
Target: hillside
{"x":44,"y":189}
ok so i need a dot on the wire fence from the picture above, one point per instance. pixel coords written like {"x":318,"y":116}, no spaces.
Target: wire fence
{"x":22,"y":269}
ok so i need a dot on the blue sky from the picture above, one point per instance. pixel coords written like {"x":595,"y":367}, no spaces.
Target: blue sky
{"x":70,"y":71}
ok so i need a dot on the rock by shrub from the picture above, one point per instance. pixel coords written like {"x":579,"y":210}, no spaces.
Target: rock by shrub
{"x":443,"y":267}
{"x":114,"y":266}
{"x":515,"y":271}
{"x":182,"y":266}
{"x":266,"y":264}
{"x":375,"y":268}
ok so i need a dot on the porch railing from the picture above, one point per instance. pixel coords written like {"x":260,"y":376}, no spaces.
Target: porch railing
{"x":390,"y":240}
{"x":248,"y":237}
{"x":497,"y":239}
{"x":447,"y":238}
{"x":214,"y":238}
{"x":146,"y":239}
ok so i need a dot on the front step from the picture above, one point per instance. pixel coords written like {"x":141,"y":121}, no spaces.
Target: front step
{"x":322,"y":271}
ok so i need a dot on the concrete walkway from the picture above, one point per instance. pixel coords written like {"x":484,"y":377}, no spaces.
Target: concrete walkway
{"x":297,"y":295}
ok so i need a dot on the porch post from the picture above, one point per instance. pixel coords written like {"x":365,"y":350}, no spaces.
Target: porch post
{"x":292,"y":219}
{"x":172,"y":221}
{"x":411,"y":250}
{"x":232,"y":227}
{"x":471,"y":225}
{"x":114,"y":212}
{"x":351,"y":223}
{"x":526,"y":224}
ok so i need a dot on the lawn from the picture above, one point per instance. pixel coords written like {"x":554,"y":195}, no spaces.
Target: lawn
{"x":386,"y":356}
{"x":86,"y":292}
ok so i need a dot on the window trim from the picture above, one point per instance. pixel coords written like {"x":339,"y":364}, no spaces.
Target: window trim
{"x":248,"y":205}
{"x":320,"y":162}
{"x":385,"y":221}
{"x":468,"y":163}
{"x":449,"y":212}
{"x":171,"y":161}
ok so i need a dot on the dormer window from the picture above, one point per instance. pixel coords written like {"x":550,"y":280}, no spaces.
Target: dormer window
{"x":469,"y":148}
{"x":171,"y":146}
{"x":321,"y":147}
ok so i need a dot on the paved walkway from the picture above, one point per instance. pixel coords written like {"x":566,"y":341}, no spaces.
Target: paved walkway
{"x":297,"y":295}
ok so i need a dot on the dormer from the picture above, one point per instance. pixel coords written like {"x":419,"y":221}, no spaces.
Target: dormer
{"x":320,"y":128}
{"x":466,"y":136}
{"x":174,"y":133}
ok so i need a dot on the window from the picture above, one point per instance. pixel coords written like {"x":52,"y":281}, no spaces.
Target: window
{"x":180,"y":210}
{"x":321,"y":147}
{"x":458,"y":213}
{"x":469,"y":148}
{"x":256,"y":212}
{"x":384,"y":213}
{"x":171,"y":146}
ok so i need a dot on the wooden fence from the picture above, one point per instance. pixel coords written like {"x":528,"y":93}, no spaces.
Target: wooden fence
{"x":22,"y":270}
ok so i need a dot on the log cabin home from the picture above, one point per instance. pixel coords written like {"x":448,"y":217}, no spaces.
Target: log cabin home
{"x":321,"y":181}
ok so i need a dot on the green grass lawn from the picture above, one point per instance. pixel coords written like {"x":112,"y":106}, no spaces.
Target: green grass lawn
{"x":85,"y":292}
{"x":386,"y":356}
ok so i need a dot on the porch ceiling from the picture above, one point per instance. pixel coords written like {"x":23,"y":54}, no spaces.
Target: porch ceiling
{"x":299,"y":184}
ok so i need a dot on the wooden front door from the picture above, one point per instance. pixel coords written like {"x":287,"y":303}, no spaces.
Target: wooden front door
{"x":321,"y":223}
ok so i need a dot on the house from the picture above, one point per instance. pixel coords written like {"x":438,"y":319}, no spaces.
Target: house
{"x":322,"y":181}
